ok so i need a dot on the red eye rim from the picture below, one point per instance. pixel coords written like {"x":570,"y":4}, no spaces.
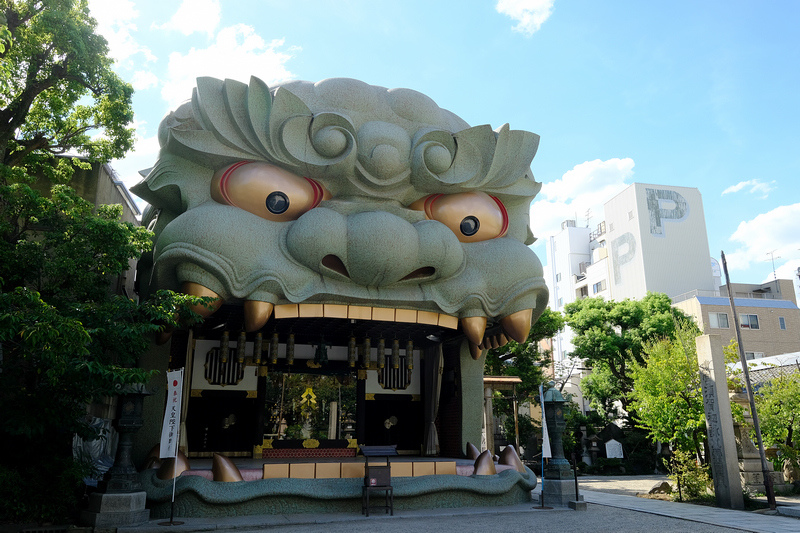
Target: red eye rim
{"x":504,"y":211}
{"x":318,"y":192}
{"x":223,"y":181}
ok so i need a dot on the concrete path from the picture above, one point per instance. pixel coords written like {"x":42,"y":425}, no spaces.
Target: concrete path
{"x":615,"y":509}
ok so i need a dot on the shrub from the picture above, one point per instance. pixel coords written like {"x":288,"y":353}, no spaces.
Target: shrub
{"x":691,"y":478}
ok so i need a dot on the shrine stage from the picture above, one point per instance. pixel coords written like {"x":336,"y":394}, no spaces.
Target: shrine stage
{"x":309,"y":485}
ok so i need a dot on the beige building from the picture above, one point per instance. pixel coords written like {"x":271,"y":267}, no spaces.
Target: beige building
{"x":769,"y":318}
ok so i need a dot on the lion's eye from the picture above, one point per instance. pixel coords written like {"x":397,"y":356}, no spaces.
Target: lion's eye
{"x":267,"y":191}
{"x":472,"y":216}
{"x":277,"y":202}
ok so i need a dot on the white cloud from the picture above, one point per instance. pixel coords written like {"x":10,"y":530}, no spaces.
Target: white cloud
{"x":237,"y":53}
{"x":529,"y":14}
{"x":143,"y":155}
{"x":194,"y":16}
{"x":584,"y":188}
{"x":144,"y":79}
{"x":115,"y":23}
{"x":753,"y":186}
{"x":774,"y":231}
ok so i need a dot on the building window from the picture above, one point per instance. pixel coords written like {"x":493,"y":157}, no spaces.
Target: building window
{"x":558,"y":276}
{"x":718,"y":320}
{"x":583,"y":292}
{"x":749,"y":321}
{"x":782,"y":322}
{"x":599,"y":286}
{"x":630,"y":215}
{"x":753,"y":355}
{"x":560,"y":303}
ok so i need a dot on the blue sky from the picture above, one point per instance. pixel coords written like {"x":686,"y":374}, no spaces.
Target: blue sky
{"x":700,"y":94}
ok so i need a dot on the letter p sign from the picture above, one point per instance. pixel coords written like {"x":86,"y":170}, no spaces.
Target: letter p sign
{"x":664,"y":205}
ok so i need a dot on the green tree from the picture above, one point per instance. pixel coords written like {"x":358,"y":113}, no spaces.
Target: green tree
{"x":65,"y":339}
{"x":58,"y":93}
{"x":610,"y":337}
{"x":778,"y":407}
{"x":525,"y":360}
{"x":666,"y":392}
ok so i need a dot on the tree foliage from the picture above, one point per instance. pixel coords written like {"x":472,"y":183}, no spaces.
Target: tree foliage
{"x":58,"y":93}
{"x":778,"y":407}
{"x":611,"y":337}
{"x":525,"y":359}
{"x":667,"y":395}
{"x":65,"y":338}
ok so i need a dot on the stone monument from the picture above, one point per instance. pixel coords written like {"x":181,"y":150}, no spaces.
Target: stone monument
{"x":719,"y":422}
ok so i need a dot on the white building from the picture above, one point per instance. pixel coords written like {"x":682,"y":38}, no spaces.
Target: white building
{"x":653,"y":239}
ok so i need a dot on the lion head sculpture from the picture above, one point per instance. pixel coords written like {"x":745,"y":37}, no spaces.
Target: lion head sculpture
{"x":347,"y":200}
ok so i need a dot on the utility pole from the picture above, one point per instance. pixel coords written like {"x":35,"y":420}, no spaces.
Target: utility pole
{"x":749,"y":388}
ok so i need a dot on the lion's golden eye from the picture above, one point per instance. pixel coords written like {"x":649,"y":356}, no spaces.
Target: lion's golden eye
{"x":472,"y":216}
{"x":266,"y":190}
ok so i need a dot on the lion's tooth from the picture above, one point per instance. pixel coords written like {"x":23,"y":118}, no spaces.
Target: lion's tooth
{"x":518,"y":325}
{"x":502,"y":339}
{"x":475,"y":351}
{"x":195,"y":289}
{"x":473,"y":327}
{"x":256,"y":314}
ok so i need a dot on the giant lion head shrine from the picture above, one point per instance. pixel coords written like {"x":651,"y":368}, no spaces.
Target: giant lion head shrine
{"x":363,"y":248}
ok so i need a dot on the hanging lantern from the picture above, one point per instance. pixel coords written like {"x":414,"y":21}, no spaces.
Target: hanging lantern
{"x":241,"y":344}
{"x":290,"y":350}
{"x":351,"y":352}
{"x":223,"y":347}
{"x":321,"y":355}
{"x":257,"y":347}
{"x":381,"y":353}
{"x":273,"y":349}
{"x":396,"y":354}
{"x":410,"y":355}
{"x":366,"y":353}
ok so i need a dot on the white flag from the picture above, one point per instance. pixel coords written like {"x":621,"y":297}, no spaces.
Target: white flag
{"x":172,"y":415}
{"x":545,"y":437}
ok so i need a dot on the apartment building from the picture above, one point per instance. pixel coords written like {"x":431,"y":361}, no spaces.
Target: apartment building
{"x":769,"y":318}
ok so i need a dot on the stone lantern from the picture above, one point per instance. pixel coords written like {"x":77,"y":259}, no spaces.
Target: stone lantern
{"x":558,"y":484}
{"x":121,"y":499}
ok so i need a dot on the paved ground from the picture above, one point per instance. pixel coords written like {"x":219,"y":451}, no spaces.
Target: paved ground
{"x":612,"y":507}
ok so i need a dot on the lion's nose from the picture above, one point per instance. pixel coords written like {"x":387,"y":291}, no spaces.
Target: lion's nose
{"x":374,"y":248}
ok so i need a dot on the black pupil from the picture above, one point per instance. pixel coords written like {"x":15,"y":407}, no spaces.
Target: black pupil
{"x":470,"y":226}
{"x":277,"y":202}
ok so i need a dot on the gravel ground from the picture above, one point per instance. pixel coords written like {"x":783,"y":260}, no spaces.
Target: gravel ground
{"x":597,"y":519}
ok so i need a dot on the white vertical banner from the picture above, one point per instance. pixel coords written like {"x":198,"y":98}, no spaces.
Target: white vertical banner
{"x":172,"y":415}
{"x":546,"y":452}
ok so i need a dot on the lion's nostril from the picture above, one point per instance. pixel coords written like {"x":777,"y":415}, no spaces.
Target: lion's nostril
{"x":424,"y":272}
{"x":334,"y":263}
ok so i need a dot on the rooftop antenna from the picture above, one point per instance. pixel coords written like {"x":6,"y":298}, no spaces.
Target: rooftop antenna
{"x":588,"y":216}
{"x":774,"y":275}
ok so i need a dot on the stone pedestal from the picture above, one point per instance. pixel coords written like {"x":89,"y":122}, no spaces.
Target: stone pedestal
{"x":559,"y":493}
{"x":116,"y":510}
